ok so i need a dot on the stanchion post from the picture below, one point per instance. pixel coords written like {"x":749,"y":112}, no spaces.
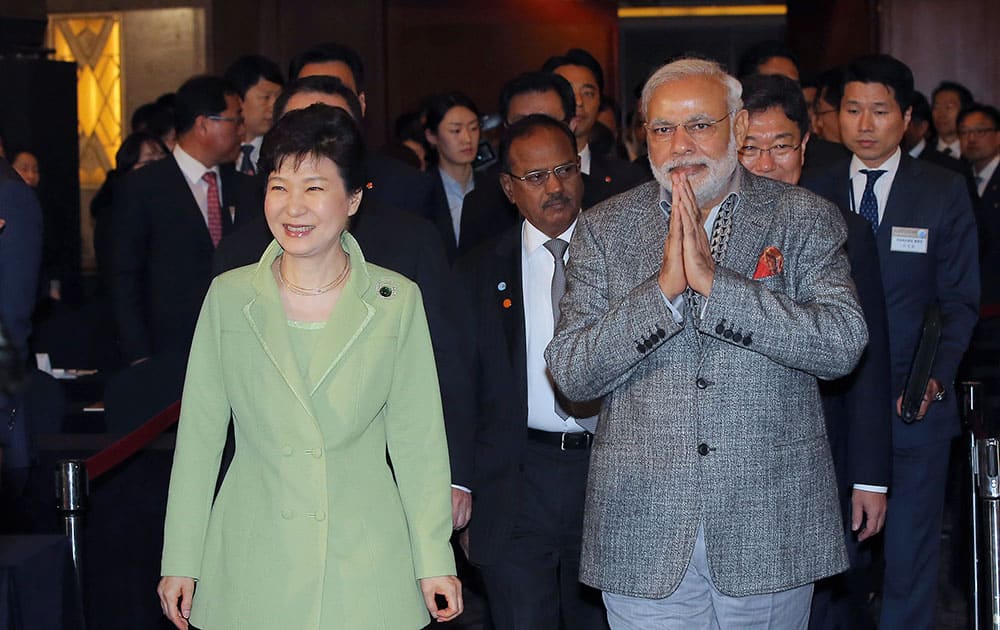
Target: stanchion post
{"x":973,"y":420}
{"x":989,"y":493}
{"x":71,"y":497}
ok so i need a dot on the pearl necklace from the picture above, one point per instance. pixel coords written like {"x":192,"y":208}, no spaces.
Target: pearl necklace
{"x":297,"y":290}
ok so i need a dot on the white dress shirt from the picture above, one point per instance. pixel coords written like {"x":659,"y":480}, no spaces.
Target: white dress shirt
{"x":193,"y":171}
{"x":882,"y":185}
{"x":918,"y":148}
{"x":455,"y":192}
{"x":585,"y":159}
{"x":537,"y":267}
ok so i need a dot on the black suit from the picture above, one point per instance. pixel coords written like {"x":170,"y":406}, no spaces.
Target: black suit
{"x":409,"y":245}
{"x":441,"y":217}
{"x":162,"y":254}
{"x":822,"y":154}
{"x":396,"y":184}
{"x":922,"y":196}
{"x":859,"y":427}
{"x":523,"y":491}
{"x":487,"y":212}
{"x":988,"y":220}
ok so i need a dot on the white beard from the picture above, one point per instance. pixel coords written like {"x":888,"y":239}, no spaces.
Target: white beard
{"x":709,"y":185}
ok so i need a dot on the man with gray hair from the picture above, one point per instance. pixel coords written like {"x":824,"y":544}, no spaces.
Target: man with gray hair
{"x":703,"y":307}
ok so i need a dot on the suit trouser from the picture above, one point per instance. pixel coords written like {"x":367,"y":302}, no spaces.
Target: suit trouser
{"x":536,"y":582}
{"x":913,"y":535}
{"x":696,"y":603}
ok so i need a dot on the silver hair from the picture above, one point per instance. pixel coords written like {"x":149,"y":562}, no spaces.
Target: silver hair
{"x":689,"y":67}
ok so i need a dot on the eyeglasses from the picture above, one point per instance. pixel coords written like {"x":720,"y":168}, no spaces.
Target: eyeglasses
{"x":975,"y":133}
{"x":538,"y":178}
{"x":698,"y":129}
{"x":751,"y":152}
{"x":237,"y":120}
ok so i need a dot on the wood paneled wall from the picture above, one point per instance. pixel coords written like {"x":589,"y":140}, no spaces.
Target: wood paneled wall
{"x":955,"y":40}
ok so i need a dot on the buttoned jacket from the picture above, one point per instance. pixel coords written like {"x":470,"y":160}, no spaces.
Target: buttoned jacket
{"x":712,"y":422}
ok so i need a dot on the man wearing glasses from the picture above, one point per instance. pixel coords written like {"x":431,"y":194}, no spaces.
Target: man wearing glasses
{"x":856,"y":407}
{"x":168,"y":218}
{"x":532,"y":445}
{"x":703,"y":307}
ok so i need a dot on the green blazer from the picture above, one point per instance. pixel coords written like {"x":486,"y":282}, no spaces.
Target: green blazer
{"x":311,"y":528}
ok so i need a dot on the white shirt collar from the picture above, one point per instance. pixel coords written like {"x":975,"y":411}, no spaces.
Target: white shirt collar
{"x":890,"y":165}
{"x":532,"y":238}
{"x":918,"y":148}
{"x":955,"y":146}
{"x":193,"y":169}
{"x":585,"y":159}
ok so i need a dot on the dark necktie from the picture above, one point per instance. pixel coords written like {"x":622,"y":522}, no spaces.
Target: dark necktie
{"x":247,"y":165}
{"x":947,"y":151}
{"x":214,"y":208}
{"x":869,"y":204}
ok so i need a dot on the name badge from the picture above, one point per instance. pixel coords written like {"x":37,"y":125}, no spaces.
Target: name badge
{"x":909,"y":240}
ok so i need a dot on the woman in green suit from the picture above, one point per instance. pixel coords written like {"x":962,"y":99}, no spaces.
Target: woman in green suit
{"x":325,"y":364}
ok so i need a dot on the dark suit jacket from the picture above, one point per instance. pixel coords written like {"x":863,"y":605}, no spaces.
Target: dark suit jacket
{"x":487,"y":212}
{"x":162,"y":254}
{"x":496,"y":334}
{"x":988,"y":220}
{"x":441,"y":217}
{"x":396,"y":184}
{"x":822,"y":154}
{"x":409,"y":245}
{"x":857,"y":406}
{"x":20,"y":256}
{"x":923,"y":195}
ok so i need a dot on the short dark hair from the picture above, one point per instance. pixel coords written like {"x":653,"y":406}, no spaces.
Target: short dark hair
{"x":328,"y":52}
{"x":980,"y":108}
{"x":248,"y":70}
{"x":317,"y":131}
{"x":131,"y":149}
{"x":754,"y":57}
{"x":888,"y":71}
{"x":921,"y":109}
{"x":157,"y":118}
{"x":526,"y":126}
{"x":200,"y":96}
{"x":538,"y":83}
{"x":577,"y":57}
{"x":830,"y":87}
{"x":764,"y":91}
{"x":319,"y":84}
{"x":408,"y":126}
{"x":964,"y":94}
{"x":436,"y":107}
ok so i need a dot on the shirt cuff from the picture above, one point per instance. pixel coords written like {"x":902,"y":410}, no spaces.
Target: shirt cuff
{"x":675,"y":307}
{"x":462,"y":488}
{"x":866,"y":488}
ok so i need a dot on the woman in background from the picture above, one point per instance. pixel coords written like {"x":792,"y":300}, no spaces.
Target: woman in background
{"x":451,"y":126}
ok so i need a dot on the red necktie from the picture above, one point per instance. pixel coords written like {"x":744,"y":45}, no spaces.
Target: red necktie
{"x":214,"y":208}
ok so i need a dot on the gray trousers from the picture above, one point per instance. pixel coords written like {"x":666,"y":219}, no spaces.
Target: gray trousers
{"x":698,"y":604}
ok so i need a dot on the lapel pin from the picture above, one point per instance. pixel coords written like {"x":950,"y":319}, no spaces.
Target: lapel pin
{"x":502,"y":286}
{"x":369,"y":185}
{"x":607,"y":179}
{"x":507,"y":303}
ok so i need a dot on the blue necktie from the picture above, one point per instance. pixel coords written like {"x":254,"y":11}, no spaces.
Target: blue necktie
{"x":869,"y":204}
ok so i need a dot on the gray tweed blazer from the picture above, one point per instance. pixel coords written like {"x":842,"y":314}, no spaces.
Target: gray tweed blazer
{"x":717,"y":423}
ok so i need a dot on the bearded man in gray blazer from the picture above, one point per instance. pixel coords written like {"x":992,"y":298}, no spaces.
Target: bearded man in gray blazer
{"x":703,"y":307}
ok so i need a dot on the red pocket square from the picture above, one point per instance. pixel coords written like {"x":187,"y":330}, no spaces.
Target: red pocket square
{"x":770,"y":263}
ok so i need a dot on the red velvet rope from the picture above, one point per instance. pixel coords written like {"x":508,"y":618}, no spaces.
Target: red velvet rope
{"x":102,"y":462}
